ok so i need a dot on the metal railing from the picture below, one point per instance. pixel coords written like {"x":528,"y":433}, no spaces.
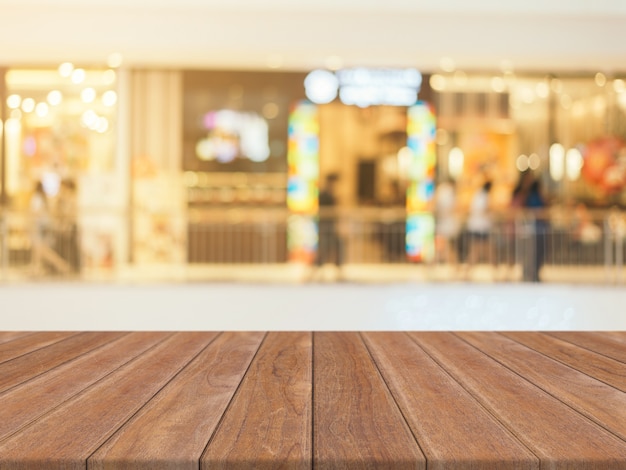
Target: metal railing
{"x":521,"y":246}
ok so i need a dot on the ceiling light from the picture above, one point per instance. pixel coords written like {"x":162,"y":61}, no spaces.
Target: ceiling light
{"x":55,"y":97}
{"x":78,"y":76}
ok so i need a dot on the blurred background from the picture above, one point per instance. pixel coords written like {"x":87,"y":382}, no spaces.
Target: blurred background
{"x":327,"y":141}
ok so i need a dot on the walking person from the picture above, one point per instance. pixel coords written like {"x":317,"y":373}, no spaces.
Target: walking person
{"x":330,"y":244}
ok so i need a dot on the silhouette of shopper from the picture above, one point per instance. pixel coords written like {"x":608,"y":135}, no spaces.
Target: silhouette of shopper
{"x":330,"y":245}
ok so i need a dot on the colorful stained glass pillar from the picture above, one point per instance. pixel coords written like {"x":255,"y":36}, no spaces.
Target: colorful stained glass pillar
{"x":303,"y":182}
{"x":420,"y":223}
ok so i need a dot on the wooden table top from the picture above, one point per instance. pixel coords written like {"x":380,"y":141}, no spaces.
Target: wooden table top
{"x":389,"y":400}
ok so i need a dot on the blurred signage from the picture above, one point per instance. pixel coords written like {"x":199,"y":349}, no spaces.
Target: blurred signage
{"x":364,"y":87}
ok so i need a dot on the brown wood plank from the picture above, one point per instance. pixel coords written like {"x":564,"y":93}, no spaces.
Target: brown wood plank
{"x":588,"y":362}
{"x":173,"y":429}
{"x":30,"y":343}
{"x":64,"y":438}
{"x":11,"y":335}
{"x":598,"y":401}
{"x":41,"y":360}
{"x":268,"y":424}
{"x":595,"y":341}
{"x":558,"y":435}
{"x":357,"y":424}
{"x":28,"y":401}
{"x":453,"y":430}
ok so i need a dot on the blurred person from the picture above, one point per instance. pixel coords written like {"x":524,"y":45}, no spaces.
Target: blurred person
{"x":330,"y":244}
{"x":534,"y":254}
{"x":479,"y":225}
{"x":393,"y":230}
{"x":448,"y":224}
{"x":67,"y":239}
{"x":43,"y":255}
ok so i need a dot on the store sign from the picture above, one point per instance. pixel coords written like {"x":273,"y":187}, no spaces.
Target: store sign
{"x":364,"y":87}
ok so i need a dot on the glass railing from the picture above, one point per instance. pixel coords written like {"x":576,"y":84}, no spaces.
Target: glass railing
{"x":252,"y":245}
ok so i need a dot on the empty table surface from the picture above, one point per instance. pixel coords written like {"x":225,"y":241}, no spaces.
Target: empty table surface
{"x":389,"y":400}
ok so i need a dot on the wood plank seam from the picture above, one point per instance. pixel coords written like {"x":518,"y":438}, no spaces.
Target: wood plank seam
{"x":599,"y":434}
{"x":573,"y":366}
{"x":393,"y":397}
{"x":579,"y":345}
{"x":58,"y":340}
{"x":68,"y":360}
{"x":174,"y":376}
{"x":232,"y":399}
{"x":64,"y":402}
{"x":72,"y":338}
{"x":70,"y":397}
{"x":581,"y":412}
{"x":514,"y":434}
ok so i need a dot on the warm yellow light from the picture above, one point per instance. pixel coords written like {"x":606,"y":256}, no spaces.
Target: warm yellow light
{"x":66,"y":69}
{"x":456,"y":160}
{"x":557,"y":162}
{"x":103,"y":125}
{"x":12,"y":127}
{"x":573,"y":164}
{"x":28,"y":105}
{"x":528,"y":97}
{"x":55,"y":97}
{"x":109,"y":98}
{"x":42,"y":109}
{"x":78,"y":76}
{"x":498,"y":85}
{"x":534,"y":161}
{"x":88,"y":95}
{"x":108,"y":77}
{"x":90,"y":119}
{"x":437,"y":82}
{"x":14,"y":101}
{"x":600,"y":79}
{"x":447,"y":64}
{"x":542,"y":90}
{"x":115,"y":60}
{"x":619,"y":86}
{"x":522,"y":163}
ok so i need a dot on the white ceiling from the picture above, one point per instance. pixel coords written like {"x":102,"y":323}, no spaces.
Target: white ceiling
{"x":541,"y":35}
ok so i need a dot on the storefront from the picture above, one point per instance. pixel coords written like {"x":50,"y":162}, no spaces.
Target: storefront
{"x":197,"y":167}
{"x":60,"y":132}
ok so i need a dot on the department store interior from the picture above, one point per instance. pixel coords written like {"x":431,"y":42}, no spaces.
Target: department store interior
{"x":191,"y":168}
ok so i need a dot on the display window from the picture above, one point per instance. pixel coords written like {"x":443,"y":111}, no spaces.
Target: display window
{"x":60,"y":133}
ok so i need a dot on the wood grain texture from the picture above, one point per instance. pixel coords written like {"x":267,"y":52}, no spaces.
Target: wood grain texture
{"x":40,"y":360}
{"x":558,"y":435}
{"x":268,"y":423}
{"x":357,"y":424}
{"x":64,"y":438}
{"x":11,"y":335}
{"x":173,"y":429}
{"x":235,"y":400}
{"x":588,"y":362}
{"x":29,"y":343}
{"x":598,"y":401}
{"x":453,"y":430}
{"x":33,"y":399}
{"x":597,"y":342}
